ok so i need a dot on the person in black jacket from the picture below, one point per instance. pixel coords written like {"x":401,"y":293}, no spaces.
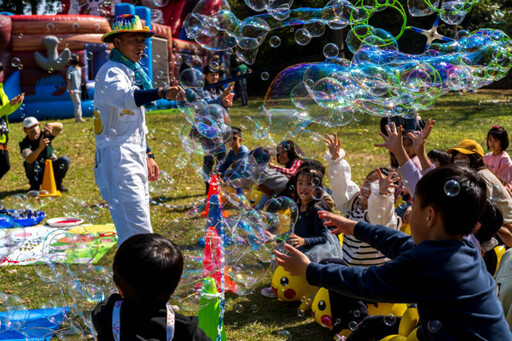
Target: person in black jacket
{"x":147,"y":269}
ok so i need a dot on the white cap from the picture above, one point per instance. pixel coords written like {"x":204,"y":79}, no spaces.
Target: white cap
{"x":29,"y":122}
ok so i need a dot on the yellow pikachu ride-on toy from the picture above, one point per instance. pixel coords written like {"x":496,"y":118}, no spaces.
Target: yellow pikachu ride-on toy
{"x":293,"y":288}
{"x":330,"y":311}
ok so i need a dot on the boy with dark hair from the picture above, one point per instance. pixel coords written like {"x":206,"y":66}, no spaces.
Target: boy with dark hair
{"x":234,"y":164}
{"x":147,"y":269}
{"x":436,"y":268}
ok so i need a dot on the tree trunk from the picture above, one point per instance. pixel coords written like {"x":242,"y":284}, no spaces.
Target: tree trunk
{"x":33,"y":6}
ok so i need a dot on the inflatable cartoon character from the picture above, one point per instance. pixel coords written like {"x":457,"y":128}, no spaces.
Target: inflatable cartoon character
{"x":292,"y":288}
{"x":335,"y":311}
{"x":408,"y":327}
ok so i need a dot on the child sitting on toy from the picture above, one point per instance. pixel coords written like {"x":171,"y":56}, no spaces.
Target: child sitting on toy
{"x":373,"y":202}
{"x":147,"y":269}
{"x":310,"y":235}
{"x":464,"y":305}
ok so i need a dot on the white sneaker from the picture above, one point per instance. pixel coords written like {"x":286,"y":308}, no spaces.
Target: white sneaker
{"x":268,"y":292}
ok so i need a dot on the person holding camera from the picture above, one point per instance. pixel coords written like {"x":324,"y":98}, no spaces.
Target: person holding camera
{"x":7,"y":107}
{"x":36,"y":148}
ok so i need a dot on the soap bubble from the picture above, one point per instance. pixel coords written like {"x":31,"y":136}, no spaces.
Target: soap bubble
{"x":191,"y":78}
{"x":453,"y":12}
{"x":451,"y":188}
{"x":239,"y":308}
{"x":301,"y":313}
{"x":497,"y":17}
{"x":302,"y":36}
{"x":434,"y":326}
{"x":286,"y":334}
{"x":15,"y":62}
{"x":89,"y":55}
{"x":214,"y":66}
{"x":264,"y":76}
{"x":317,"y":193}
{"x":160,"y":3}
{"x":281,"y":214}
{"x":352,"y":325}
{"x":422,"y":8}
{"x":390,"y":320}
{"x":315,"y":29}
{"x":275,"y":41}
{"x":331,"y":50}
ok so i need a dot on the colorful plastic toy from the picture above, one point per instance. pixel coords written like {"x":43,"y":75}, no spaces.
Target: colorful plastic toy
{"x":293,"y":288}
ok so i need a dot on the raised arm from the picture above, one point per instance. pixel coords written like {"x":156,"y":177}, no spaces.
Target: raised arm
{"x":381,"y":208}
{"x":340,"y":177}
{"x":393,"y":142}
{"x":418,"y":143}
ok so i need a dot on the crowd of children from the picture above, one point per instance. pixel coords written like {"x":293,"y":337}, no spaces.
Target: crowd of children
{"x":457,"y":205}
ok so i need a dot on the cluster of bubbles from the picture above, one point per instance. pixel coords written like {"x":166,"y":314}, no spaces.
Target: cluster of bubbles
{"x":248,"y":238}
{"x":379,"y":80}
{"x":68,"y":293}
{"x":76,"y":288}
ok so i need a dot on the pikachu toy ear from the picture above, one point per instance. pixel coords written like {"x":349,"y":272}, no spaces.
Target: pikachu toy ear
{"x":321,"y":308}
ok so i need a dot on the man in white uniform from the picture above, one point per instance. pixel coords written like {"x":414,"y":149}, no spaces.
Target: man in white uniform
{"x":122,"y":162}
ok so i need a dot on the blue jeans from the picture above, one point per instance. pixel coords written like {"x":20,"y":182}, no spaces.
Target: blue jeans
{"x":35,"y":171}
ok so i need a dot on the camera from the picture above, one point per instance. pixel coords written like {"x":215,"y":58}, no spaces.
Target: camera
{"x":46,"y":135}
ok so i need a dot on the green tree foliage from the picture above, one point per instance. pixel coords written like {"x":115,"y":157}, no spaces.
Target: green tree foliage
{"x":30,"y":6}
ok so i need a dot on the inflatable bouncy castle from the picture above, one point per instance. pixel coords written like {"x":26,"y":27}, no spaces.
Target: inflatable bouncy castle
{"x":35,"y":51}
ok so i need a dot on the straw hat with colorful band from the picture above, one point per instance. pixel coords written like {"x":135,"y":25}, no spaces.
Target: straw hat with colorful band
{"x":467,"y":147}
{"x":126,"y":23}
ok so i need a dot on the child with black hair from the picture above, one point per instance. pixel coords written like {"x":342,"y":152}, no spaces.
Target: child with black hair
{"x":439,"y":158}
{"x":147,"y":270}
{"x":485,"y":232}
{"x":234,"y":164}
{"x":290,"y":155}
{"x":498,"y":160}
{"x":469,"y":153}
{"x":310,"y":235}
{"x":435,"y":267}
{"x":373,"y":202}
{"x":271,"y":181}
{"x":217,"y":95}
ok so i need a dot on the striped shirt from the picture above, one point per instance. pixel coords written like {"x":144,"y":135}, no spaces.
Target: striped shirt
{"x":346,"y":196}
{"x":356,"y":252}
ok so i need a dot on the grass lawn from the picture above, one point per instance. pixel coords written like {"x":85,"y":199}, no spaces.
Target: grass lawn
{"x":255,"y":317}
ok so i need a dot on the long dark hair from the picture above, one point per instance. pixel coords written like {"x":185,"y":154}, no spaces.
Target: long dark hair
{"x":292,"y":150}
{"x":316,"y":203}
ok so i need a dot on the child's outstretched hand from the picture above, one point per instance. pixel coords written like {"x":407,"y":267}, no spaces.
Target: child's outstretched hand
{"x":393,"y":140}
{"x":387,"y":182}
{"x":342,"y":224}
{"x":296,"y":241}
{"x":295,"y":263}
{"x":418,"y":141}
{"x":334,"y":145}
